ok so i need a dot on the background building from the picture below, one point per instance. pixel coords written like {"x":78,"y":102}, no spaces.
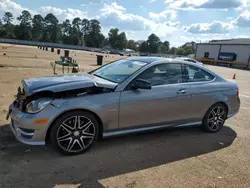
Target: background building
{"x":237,"y":50}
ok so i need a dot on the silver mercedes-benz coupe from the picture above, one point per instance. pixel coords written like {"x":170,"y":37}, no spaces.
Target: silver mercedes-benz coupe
{"x":125,"y":96}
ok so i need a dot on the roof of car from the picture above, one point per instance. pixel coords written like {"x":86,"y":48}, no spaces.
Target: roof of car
{"x":147,"y":59}
{"x":184,"y":58}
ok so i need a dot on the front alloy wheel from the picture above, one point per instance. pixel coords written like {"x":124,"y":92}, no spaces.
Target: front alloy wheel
{"x":215,"y":118}
{"x":74,"y":132}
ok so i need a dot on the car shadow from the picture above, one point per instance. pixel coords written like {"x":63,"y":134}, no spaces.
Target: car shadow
{"x":107,"y":158}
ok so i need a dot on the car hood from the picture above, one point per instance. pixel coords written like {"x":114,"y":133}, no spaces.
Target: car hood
{"x":60,"y":83}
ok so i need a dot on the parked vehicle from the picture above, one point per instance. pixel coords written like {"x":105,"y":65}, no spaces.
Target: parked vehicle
{"x":191,"y":60}
{"x":129,"y":95}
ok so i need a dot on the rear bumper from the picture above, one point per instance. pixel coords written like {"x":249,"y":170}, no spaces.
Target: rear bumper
{"x":234,"y":109}
{"x":232,"y":114}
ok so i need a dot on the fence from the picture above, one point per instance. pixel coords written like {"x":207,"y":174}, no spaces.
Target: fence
{"x":46,"y":44}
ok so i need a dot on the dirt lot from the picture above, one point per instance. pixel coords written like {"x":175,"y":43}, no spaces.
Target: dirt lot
{"x":185,"y":157}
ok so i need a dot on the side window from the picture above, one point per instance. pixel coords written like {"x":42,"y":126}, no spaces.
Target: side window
{"x":194,"y":74}
{"x":162,"y":74}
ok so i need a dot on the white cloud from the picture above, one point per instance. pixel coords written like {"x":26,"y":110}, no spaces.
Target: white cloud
{"x":173,"y":24}
{"x":14,"y":8}
{"x":213,"y":4}
{"x":243,"y":20}
{"x":180,"y":40}
{"x":167,"y":14}
{"x":206,"y":28}
{"x":241,"y":37}
{"x":114,"y":15}
{"x":63,"y":14}
{"x":152,"y":1}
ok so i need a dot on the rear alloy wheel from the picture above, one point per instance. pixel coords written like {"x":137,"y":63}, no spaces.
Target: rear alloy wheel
{"x":74,"y":132}
{"x":215,"y":118}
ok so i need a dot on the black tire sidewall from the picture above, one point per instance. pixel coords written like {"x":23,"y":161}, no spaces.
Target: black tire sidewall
{"x":205,"y":122}
{"x":61,"y":119}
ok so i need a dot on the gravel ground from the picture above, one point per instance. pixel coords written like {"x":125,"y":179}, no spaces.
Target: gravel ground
{"x":182,"y":157}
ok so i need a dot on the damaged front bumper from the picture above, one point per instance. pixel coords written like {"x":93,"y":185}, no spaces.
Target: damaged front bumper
{"x":27,"y":129}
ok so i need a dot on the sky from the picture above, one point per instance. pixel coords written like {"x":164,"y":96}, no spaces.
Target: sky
{"x":177,"y":21}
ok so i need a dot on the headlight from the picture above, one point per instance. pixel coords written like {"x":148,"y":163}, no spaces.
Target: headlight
{"x":37,"y":105}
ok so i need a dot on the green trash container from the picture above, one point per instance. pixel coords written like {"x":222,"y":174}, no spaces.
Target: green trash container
{"x":99,"y":59}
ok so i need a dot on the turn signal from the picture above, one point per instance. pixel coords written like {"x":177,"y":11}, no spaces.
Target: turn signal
{"x":41,"y":121}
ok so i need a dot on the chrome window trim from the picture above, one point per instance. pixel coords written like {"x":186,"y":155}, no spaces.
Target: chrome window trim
{"x":121,"y":87}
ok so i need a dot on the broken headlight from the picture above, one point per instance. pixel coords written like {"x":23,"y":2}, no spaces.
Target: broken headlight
{"x":36,"y":106}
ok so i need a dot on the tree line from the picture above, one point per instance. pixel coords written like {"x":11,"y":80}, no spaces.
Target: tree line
{"x":79,"y":32}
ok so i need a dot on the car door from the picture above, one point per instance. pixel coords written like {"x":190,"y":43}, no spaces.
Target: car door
{"x":202,"y":89}
{"x":166,"y":103}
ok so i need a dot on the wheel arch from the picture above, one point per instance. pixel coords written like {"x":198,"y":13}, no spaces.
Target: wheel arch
{"x":222,"y":103}
{"x":219,"y":102}
{"x":47,"y":137}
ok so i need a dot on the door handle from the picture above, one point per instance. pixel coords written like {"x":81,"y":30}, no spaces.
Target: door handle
{"x":182,"y":91}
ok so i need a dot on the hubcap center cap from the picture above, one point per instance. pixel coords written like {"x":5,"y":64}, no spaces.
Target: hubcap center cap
{"x":76,"y":133}
{"x":215,"y":118}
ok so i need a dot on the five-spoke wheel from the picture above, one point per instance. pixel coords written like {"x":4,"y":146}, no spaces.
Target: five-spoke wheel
{"x":215,"y":118}
{"x":74,"y":132}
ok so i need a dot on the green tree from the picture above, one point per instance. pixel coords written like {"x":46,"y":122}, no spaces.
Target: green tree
{"x":131,"y":45}
{"x":172,"y":50}
{"x":2,"y":31}
{"x":188,"y":50}
{"x":76,"y":31}
{"x":85,"y":26}
{"x":122,"y":41}
{"x":105,"y":42}
{"x":113,"y":37}
{"x":38,"y":28}
{"x":24,"y":30}
{"x":166,"y":43}
{"x":94,"y":37}
{"x":9,"y":28}
{"x":85,"y":30}
{"x":66,"y":30}
{"x":52,"y":30}
{"x":180,"y":51}
{"x":153,"y":42}
{"x":163,"y":47}
{"x":8,"y":18}
{"x":143,"y":47}
{"x":117,"y":40}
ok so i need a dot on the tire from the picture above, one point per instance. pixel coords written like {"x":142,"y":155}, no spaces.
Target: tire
{"x":74,"y":132}
{"x":215,"y":118}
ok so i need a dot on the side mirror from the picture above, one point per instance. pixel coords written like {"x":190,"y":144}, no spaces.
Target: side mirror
{"x":141,"y":84}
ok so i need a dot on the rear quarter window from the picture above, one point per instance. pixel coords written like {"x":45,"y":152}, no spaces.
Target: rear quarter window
{"x":195,"y":74}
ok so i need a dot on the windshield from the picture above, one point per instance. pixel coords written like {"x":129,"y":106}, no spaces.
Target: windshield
{"x":119,"y":70}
